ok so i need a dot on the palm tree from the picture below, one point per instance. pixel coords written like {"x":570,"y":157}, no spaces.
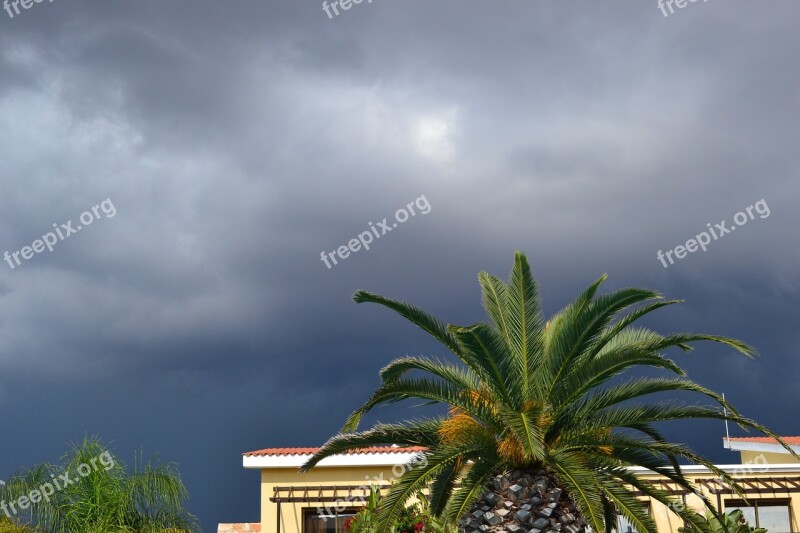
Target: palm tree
{"x":535,"y":416}
{"x":93,"y":492}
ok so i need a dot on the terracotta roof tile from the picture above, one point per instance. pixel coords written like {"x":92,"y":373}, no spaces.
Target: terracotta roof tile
{"x":271,"y":452}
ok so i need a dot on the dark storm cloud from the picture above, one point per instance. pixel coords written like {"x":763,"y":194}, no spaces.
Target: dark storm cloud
{"x":238,"y":140}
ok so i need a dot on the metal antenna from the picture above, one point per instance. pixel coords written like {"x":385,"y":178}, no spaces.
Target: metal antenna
{"x":727,"y":433}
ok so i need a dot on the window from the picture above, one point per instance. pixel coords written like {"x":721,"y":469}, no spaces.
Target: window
{"x":772,"y":515}
{"x":624,"y":525}
{"x":314,"y":522}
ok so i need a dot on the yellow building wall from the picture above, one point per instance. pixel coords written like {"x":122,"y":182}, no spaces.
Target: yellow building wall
{"x":667,"y":521}
{"x":292,"y":513}
{"x":757,"y":458}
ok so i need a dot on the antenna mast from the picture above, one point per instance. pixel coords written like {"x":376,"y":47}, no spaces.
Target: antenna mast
{"x":727,"y":433}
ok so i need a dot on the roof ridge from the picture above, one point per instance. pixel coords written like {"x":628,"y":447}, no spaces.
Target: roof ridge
{"x":312,"y":450}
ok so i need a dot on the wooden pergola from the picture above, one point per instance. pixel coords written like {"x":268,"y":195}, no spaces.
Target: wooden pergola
{"x":754,"y":486}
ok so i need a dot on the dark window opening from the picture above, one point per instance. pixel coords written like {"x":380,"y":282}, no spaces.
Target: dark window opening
{"x":772,"y":515}
{"x":328,"y":521}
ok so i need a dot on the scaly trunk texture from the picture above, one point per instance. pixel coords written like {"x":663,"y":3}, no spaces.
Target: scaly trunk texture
{"x":524,"y":502}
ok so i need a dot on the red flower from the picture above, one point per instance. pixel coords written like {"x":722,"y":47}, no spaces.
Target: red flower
{"x":348,"y":522}
{"x":418,"y":526}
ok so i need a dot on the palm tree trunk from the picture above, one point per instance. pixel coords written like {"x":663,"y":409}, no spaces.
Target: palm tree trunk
{"x":524,"y":502}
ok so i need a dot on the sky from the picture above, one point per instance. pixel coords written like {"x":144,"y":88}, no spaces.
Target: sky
{"x":218,"y":156}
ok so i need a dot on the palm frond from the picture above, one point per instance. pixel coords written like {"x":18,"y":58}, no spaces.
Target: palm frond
{"x":410,"y":433}
{"x":443,"y":486}
{"x":472,"y":486}
{"x":528,"y":429}
{"x":577,"y":336}
{"x":425,"y":389}
{"x":483,"y":351}
{"x":582,"y":484}
{"x":413,"y":314}
{"x":526,"y":324}
{"x":457,"y":375}
{"x":414,"y":480}
{"x":629,"y":506}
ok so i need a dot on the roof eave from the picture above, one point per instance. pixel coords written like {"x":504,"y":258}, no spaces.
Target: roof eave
{"x":343,"y":460}
{"x":763,"y":447}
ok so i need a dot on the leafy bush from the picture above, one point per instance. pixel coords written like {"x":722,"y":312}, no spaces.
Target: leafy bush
{"x":7,"y":526}
{"x":414,"y":518}
{"x":734,"y":522}
{"x":101,"y":495}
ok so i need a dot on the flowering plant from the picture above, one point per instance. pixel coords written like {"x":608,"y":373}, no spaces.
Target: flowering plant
{"x":413,"y":519}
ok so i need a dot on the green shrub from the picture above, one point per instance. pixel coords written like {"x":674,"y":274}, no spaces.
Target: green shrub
{"x":734,"y":522}
{"x":414,"y":518}
{"x":102,"y":496}
{"x":7,"y":526}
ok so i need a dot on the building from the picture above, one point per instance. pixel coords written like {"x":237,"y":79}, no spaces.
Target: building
{"x":320,"y":500}
{"x":752,"y":448}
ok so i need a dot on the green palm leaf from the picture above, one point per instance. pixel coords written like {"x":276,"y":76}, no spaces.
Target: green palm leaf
{"x":526,"y":324}
{"x":471,"y":489}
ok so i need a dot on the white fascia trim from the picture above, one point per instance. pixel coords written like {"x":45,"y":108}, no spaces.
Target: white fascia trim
{"x":739,"y":446}
{"x":389,"y":459}
{"x":740,"y":469}
{"x":360,"y":459}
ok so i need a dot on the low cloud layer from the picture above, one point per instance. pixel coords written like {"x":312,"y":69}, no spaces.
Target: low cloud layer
{"x":239,"y":140}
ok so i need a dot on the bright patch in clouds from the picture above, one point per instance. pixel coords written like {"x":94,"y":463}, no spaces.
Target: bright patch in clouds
{"x":433,"y":138}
